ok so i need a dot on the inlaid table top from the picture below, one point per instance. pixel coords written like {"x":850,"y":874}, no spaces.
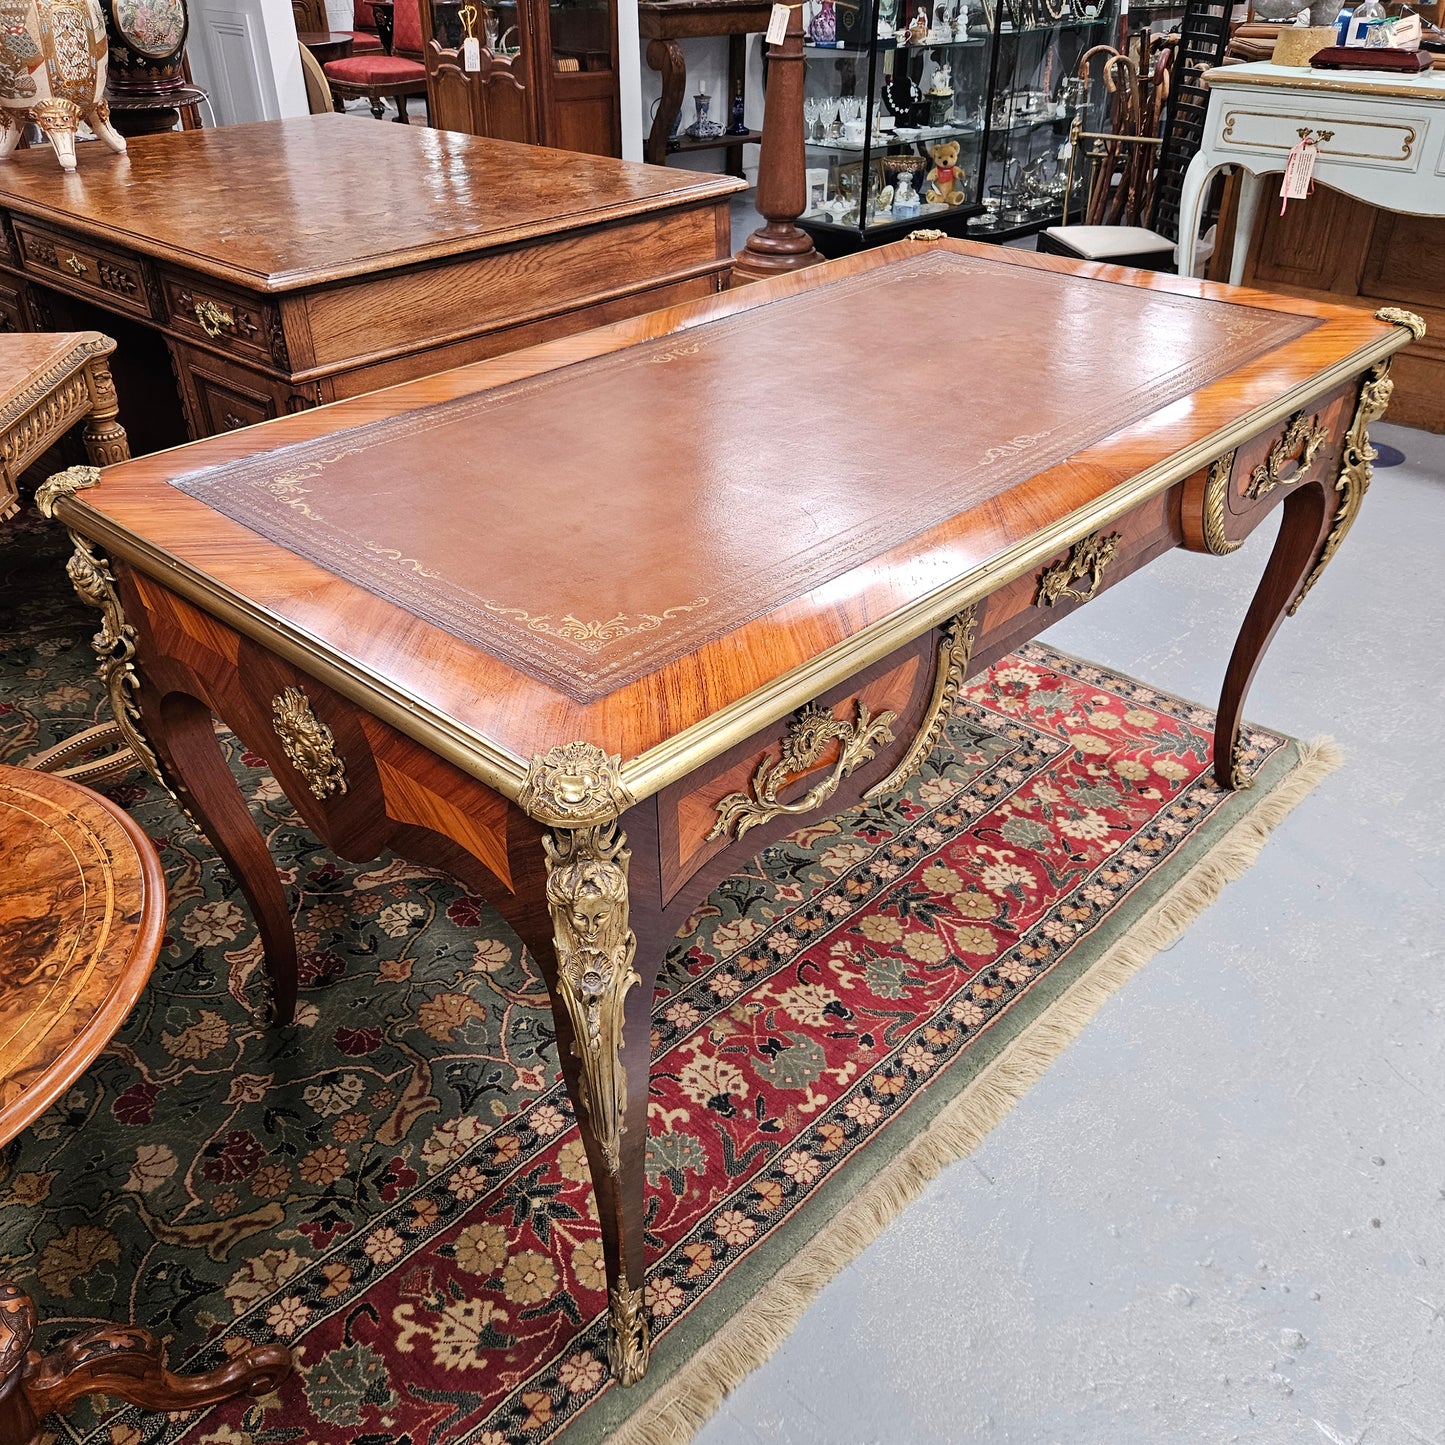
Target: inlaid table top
{"x":282,"y":204}
{"x":664,"y":534}
{"x":82,"y":911}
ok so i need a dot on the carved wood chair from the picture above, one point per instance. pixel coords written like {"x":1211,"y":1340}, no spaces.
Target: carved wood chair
{"x":318,"y":92}
{"x":373,"y":77}
{"x":364,"y":38}
{"x":82,"y":914}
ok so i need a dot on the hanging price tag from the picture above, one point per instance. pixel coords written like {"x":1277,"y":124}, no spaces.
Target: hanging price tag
{"x":777,"y":25}
{"x":471,"y":53}
{"x":1299,"y":172}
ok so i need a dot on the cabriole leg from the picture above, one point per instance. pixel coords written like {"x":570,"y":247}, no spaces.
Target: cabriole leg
{"x":1315,"y":522}
{"x":191,"y":754}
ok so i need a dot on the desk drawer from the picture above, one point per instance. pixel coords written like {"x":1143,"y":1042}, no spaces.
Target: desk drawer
{"x":202,"y":311}
{"x":220,"y":396}
{"x":1223,"y":503}
{"x":114,"y":278}
{"x":1393,"y":141}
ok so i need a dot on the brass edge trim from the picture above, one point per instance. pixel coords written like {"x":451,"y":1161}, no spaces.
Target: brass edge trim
{"x":448,"y":739}
{"x":674,"y":758}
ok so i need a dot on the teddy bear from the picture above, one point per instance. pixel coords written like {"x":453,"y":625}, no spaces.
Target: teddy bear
{"x":945,"y":178}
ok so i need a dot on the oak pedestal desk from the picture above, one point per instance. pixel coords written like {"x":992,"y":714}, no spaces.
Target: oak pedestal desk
{"x":276,"y":266}
{"x":516,"y":621}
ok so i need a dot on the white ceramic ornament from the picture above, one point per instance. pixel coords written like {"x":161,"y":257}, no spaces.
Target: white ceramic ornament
{"x":52,"y":71}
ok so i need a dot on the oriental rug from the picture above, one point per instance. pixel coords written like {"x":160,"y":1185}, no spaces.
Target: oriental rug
{"x":395,"y":1188}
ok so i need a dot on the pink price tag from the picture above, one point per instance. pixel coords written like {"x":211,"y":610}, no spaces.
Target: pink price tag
{"x":1299,"y":172}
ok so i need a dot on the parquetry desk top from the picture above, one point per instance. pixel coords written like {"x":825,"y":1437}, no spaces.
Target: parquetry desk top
{"x":662,"y":535}
{"x":282,"y":204}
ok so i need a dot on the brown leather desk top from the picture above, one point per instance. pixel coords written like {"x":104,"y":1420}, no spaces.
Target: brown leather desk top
{"x":281,"y":204}
{"x":661,"y":525}
{"x":593,"y":524}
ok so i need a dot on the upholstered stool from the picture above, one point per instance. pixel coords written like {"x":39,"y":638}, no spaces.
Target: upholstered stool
{"x":82,"y":913}
{"x":1119,"y":245}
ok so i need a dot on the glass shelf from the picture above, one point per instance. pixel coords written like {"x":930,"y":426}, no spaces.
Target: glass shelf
{"x":883,"y":145}
{"x":973,"y":42}
{"x":1053,"y":27}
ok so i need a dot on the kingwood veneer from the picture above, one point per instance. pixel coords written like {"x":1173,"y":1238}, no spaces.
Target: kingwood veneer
{"x":517,"y":621}
{"x":294,"y":262}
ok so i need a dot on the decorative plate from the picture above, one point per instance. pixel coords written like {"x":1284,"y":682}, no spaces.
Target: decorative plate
{"x":155,"y":29}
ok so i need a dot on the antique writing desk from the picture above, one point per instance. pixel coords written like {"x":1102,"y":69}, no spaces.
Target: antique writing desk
{"x":293,"y":262}
{"x":591,"y":623}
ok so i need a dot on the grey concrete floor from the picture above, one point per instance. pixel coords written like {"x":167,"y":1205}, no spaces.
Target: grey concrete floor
{"x":1221,"y":1214}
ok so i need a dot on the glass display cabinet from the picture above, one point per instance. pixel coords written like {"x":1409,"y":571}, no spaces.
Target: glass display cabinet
{"x":951,"y":116}
{"x":1034,"y":94}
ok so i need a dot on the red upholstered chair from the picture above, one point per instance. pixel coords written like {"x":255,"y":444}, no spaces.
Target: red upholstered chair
{"x":374,"y":76}
{"x":364,"y":39}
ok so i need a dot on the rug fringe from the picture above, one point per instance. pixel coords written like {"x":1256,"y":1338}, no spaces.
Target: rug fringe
{"x":680,"y":1407}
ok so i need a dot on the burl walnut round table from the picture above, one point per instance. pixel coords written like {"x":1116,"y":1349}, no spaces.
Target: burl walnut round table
{"x":82,"y":912}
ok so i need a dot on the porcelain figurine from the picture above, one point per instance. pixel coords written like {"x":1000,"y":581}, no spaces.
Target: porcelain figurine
{"x":52,"y":72}
{"x":905,"y":198}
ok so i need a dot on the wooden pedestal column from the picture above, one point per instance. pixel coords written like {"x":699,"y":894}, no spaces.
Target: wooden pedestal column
{"x":780,"y":245}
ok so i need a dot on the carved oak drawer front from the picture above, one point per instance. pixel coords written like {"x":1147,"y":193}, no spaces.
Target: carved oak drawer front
{"x":1393,"y":142}
{"x":112,"y":277}
{"x":226,"y":319}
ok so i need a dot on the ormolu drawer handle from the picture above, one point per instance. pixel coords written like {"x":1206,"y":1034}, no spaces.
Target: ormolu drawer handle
{"x":74,"y":265}
{"x":1086,"y":559}
{"x":808,"y":737}
{"x":214,"y":319}
{"x":1300,"y":436}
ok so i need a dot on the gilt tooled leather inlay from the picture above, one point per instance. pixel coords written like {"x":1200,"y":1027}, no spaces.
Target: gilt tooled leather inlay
{"x":594,"y":523}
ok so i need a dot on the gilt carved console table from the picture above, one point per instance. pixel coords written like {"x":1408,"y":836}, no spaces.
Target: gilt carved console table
{"x":591,"y":661}
{"x":276,"y":266}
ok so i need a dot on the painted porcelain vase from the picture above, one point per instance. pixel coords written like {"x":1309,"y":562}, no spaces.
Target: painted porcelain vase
{"x":52,"y":72}
{"x":824,"y":27}
{"x":147,"y":45}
